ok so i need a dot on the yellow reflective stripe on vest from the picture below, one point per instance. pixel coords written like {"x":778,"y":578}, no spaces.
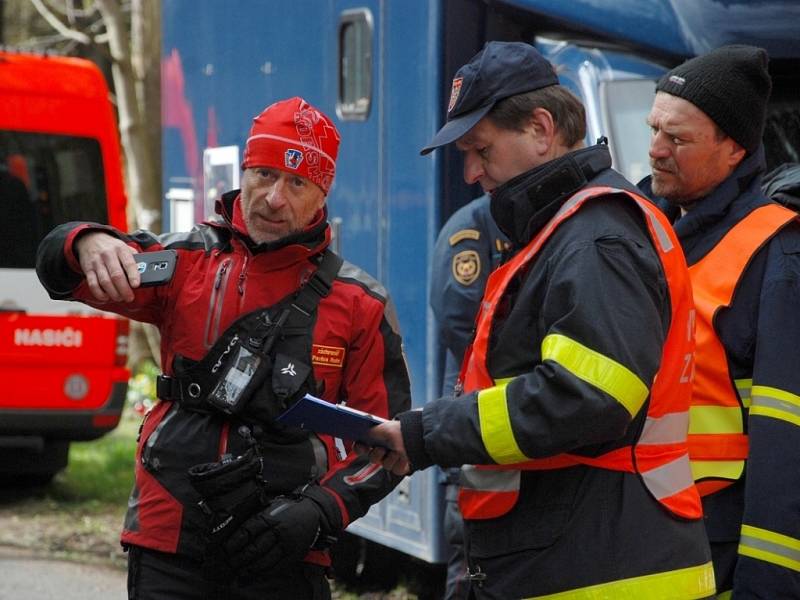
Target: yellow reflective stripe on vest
{"x":775,"y":403}
{"x":743,"y":387}
{"x":594,"y":368}
{"x":715,"y":419}
{"x":687,"y":584}
{"x":720,"y":469}
{"x":770,"y":547}
{"x":495,"y":423}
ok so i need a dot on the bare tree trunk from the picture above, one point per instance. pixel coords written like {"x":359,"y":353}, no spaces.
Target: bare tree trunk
{"x":135,"y":70}
{"x":141,"y":172}
{"x":146,"y":62}
{"x":146,"y":69}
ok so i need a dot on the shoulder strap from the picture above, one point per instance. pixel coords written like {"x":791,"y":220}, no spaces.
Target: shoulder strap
{"x":319,"y":284}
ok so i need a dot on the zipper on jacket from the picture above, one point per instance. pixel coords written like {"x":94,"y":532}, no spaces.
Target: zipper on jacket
{"x":215,"y":304}
{"x":243,"y":275}
{"x":223,"y":439}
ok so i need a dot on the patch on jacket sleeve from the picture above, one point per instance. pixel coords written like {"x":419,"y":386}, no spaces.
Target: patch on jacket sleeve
{"x":464,"y":234}
{"x":466,"y":267}
{"x":329,"y":356}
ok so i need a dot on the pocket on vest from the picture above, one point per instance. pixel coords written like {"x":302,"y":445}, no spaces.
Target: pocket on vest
{"x":537,"y":521}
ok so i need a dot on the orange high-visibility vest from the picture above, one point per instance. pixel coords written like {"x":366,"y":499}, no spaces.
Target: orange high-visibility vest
{"x":660,"y":455}
{"x":717,"y":439}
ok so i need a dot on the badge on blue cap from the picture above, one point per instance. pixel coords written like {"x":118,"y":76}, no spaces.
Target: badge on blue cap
{"x":498,"y":71}
{"x":454,"y":92}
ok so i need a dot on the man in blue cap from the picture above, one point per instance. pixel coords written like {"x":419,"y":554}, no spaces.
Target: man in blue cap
{"x":573,"y":411}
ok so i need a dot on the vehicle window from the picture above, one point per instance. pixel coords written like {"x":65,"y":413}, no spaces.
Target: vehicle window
{"x":45,"y":180}
{"x":627,"y":104}
{"x":355,"y":64}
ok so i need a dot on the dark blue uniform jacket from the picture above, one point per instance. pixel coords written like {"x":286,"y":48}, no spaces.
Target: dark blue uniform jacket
{"x":472,"y":235}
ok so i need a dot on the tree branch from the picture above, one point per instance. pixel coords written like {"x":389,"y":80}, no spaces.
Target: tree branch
{"x":56,"y":24}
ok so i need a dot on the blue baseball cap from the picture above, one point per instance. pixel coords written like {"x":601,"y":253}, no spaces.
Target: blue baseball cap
{"x":499,"y":70}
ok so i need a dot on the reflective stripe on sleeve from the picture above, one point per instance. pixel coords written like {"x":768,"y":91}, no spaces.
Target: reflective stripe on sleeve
{"x":775,"y":403}
{"x":688,"y":584}
{"x":600,"y":371}
{"x":770,"y":547}
{"x":495,"y":423}
{"x":743,"y":389}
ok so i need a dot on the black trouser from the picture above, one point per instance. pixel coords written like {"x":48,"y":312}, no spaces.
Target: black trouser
{"x":457,"y":577}
{"x":725,"y":555}
{"x":155,"y":575}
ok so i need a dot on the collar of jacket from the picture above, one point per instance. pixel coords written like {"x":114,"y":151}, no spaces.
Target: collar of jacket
{"x":304,"y":244}
{"x":729,"y":201}
{"x":523,"y":205}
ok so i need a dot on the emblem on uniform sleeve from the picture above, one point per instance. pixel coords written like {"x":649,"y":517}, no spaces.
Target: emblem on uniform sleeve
{"x":464,"y":234}
{"x":292,"y":158}
{"x":454,"y":92}
{"x":466,"y":267}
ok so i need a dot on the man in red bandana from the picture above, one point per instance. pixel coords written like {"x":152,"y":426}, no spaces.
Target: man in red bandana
{"x":259,"y":311}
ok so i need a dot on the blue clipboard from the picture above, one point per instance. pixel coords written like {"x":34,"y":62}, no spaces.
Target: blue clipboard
{"x":319,"y":416}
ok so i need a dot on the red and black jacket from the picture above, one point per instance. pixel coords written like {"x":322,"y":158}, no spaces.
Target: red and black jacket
{"x":356,"y":354}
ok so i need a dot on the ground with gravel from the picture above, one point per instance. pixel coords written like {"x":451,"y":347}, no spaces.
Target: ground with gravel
{"x":44,"y":528}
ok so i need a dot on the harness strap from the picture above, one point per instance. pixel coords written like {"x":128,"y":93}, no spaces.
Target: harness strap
{"x":319,"y":284}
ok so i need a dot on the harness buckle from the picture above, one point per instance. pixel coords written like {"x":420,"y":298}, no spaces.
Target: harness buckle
{"x":320,"y":286}
{"x":164,"y":389}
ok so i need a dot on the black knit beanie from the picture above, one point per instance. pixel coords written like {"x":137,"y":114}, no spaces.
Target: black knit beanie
{"x":731,"y":85}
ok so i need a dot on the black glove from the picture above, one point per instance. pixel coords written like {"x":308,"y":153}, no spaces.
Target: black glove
{"x":283,"y":532}
{"x":232,"y":491}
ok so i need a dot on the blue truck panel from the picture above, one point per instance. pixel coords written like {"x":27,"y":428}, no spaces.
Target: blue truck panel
{"x":679,"y":28}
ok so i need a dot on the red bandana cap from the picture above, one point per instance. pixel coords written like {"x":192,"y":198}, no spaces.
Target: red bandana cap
{"x":293,"y":136}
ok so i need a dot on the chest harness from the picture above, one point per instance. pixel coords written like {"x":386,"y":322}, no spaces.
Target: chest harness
{"x":261,"y":362}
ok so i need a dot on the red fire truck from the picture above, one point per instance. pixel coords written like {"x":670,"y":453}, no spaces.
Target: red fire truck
{"x":63,"y":372}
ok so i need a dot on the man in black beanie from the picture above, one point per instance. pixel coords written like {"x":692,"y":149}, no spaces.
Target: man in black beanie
{"x":743,"y":252}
